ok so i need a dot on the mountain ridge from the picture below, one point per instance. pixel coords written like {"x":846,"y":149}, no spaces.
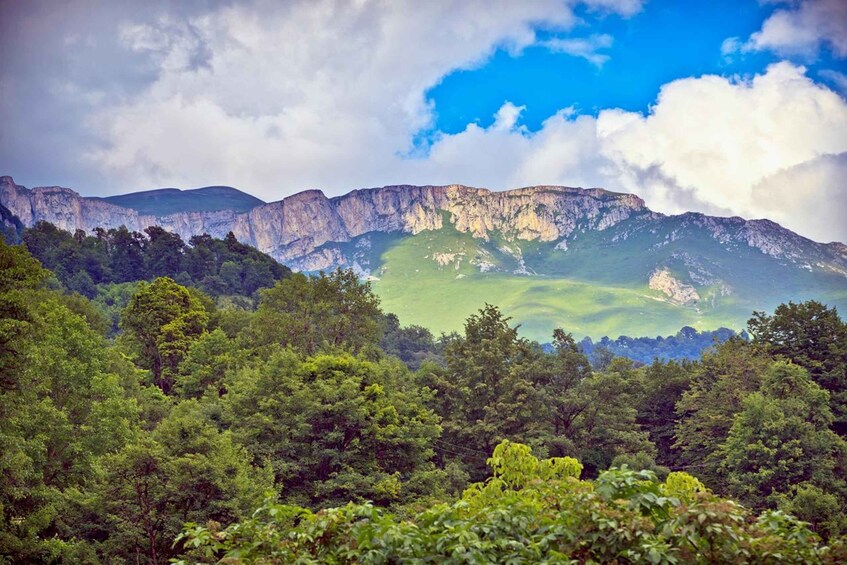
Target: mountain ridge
{"x":432,"y":250}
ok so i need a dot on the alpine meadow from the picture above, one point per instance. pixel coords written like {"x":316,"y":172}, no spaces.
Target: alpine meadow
{"x":465,"y":281}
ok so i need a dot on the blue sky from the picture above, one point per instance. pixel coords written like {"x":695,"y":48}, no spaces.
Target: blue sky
{"x":666,"y":40}
{"x":723,"y":107}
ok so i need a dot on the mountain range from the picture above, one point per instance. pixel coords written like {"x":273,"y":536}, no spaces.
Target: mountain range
{"x":592,"y":261}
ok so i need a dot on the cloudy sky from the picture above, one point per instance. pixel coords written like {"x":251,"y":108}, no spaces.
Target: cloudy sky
{"x":730,"y":107}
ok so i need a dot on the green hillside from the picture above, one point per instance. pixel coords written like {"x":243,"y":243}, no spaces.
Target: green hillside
{"x":597,"y":287}
{"x":164,"y":201}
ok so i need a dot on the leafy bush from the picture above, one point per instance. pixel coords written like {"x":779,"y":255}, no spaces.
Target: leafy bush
{"x":529,"y":511}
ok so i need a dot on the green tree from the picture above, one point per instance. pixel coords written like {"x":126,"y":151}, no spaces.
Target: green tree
{"x":528,"y":511}
{"x":663,"y":385}
{"x":186,"y":470}
{"x":485,"y":394}
{"x":66,"y":409}
{"x":163,"y":252}
{"x":335,"y":428}
{"x":813,"y":336}
{"x":782,"y":438}
{"x":161,"y":321}
{"x":20,"y":278}
{"x":208,"y":361}
{"x":310,"y":313}
{"x":719,"y":383}
{"x":605,"y":427}
{"x":411,"y":344}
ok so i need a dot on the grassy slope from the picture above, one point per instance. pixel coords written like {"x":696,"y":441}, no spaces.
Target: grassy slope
{"x":421,"y":292}
{"x":595,"y":288}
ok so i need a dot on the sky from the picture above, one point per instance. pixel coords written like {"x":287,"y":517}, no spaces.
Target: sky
{"x":722,"y":107}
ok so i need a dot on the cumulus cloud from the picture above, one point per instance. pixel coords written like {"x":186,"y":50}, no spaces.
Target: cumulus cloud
{"x":837,"y":78}
{"x":751,"y":147}
{"x":800,"y":29}
{"x":810,"y":197}
{"x":301,"y":94}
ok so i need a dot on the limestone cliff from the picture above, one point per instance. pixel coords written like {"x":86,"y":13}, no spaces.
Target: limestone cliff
{"x":296,"y":226}
{"x":300,"y":230}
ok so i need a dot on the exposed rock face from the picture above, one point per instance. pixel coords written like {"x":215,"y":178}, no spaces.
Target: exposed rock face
{"x":677,"y":291}
{"x":292,"y":229}
{"x":297,"y":229}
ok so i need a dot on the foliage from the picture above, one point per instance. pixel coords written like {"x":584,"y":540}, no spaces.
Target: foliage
{"x":414,"y":345}
{"x":334,"y":427}
{"x":686,"y":344}
{"x":782,"y":438}
{"x":529,"y":511}
{"x":323,"y":311}
{"x":813,"y":336}
{"x":161,"y":321}
{"x":84,"y":262}
{"x":663,"y":385}
{"x":311,"y":400}
{"x":185,"y":471}
{"x":64,"y":404}
{"x":719,"y":384}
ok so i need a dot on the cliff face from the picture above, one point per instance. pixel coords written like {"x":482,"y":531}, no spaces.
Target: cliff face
{"x":296,"y":226}
{"x":293,"y":230}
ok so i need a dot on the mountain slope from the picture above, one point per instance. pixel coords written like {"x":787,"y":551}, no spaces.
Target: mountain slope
{"x":592,"y":261}
{"x":165,"y":201}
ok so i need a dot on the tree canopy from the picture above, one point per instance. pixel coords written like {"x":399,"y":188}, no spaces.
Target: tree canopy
{"x":358,"y":439}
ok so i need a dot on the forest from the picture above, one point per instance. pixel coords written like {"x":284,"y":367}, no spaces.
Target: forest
{"x":199,"y":403}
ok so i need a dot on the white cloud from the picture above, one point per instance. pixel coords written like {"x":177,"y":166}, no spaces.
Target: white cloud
{"x":757,"y":148}
{"x":837,"y":78}
{"x":302,"y":94}
{"x":803,"y":28}
{"x":810,"y":197}
{"x":729,"y":47}
{"x":586,"y":48}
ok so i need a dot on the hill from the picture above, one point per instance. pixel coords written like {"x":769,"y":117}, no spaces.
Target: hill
{"x":165,"y":201}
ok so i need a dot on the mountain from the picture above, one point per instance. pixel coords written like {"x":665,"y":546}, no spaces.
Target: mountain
{"x":165,"y":201}
{"x":592,"y":261}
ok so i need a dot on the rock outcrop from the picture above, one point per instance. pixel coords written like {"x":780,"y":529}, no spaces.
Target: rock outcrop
{"x":295,"y":227}
{"x":300,"y":229}
{"x":677,"y":291}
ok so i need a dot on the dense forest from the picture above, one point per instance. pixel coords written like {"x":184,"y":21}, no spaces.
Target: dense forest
{"x":303,"y":424}
{"x":216,"y":267}
{"x":688,"y":343}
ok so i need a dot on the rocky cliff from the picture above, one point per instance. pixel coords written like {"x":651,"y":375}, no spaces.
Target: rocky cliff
{"x":300,"y":230}
{"x":293,"y":228}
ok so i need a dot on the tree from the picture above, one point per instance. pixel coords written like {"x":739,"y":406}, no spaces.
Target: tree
{"x":161,"y":321}
{"x":20,"y":277}
{"x":605,"y":427}
{"x":310,"y":313}
{"x":813,"y":336}
{"x":163,"y":252}
{"x":185,"y":471}
{"x":66,"y":409}
{"x":411,"y":344}
{"x":663,"y":386}
{"x":782,"y":438}
{"x":127,"y":255}
{"x":528,"y":511}
{"x":335,"y":428}
{"x":485,"y":395}
{"x":558,"y":378}
{"x":208,"y":361}
{"x":719,"y":383}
